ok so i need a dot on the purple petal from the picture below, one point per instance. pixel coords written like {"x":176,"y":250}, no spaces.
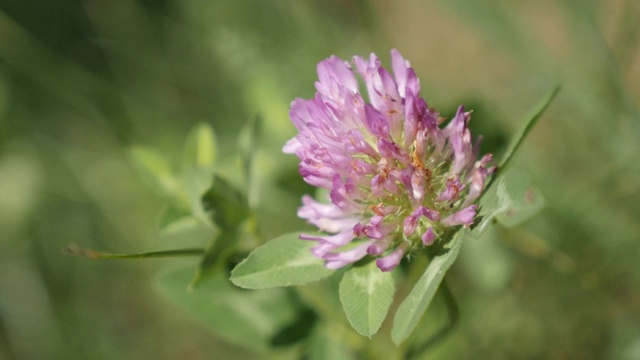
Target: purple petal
{"x":432,"y":215}
{"x":411,"y":221}
{"x":380,"y":246}
{"x":428,"y":237}
{"x":391,"y":150}
{"x":463,"y":217}
{"x":336,"y":70}
{"x":478,"y":177}
{"x":392,"y":260}
{"x":322,"y":249}
{"x":399,"y":66}
{"x":327,"y":217}
{"x":412,"y":112}
{"x":452,"y":190}
{"x":338,"y":240}
{"x":376,"y":123}
{"x":341,"y":259}
{"x":413,"y":83}
{"x":417,"y":184}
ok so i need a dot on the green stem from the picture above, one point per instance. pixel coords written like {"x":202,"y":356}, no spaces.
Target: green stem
{"x":452,"y":311}
{"x":74,"y":249}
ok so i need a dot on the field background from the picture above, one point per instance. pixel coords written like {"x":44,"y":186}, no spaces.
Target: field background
{"x":81,"y":82}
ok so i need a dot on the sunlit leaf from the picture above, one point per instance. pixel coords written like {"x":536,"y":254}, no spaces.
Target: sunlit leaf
{"x":246,"y":318}
{"x":153,"y":167}
{"x":415,"y":304}
{"x":366,"y":294}
{"x":283,"y":261}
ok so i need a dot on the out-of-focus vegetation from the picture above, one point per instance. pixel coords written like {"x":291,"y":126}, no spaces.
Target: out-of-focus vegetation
{"x":82,"y":82}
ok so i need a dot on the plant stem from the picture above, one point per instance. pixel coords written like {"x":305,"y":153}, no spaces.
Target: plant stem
{"x":74,"y":249}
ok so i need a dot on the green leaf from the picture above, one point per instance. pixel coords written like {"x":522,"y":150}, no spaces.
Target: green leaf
{"x":414,"y":306}
{"x":200,"y":149}
{"x":518,"y":198}
{"x":246,"y":318}
{"x":215,"y":255}
{"x":283,"y":261}
{"x":528,"y":124}
{"x":366,"y":294}
{"x":511,"y":201}
{"x":153,"y":167}
{"x":230,"y":212}
{"x":496,"y":201}
{"x":228,"y":205}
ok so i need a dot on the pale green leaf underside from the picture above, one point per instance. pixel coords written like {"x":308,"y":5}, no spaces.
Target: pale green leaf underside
{"x":413,"y":307}
{"x":283,"y":261}
{"x":366,"y":294}
{"x":511,"y":201}
{"x":518,"y":199}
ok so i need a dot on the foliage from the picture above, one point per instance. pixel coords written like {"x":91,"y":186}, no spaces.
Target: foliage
{"x":97,"y":99}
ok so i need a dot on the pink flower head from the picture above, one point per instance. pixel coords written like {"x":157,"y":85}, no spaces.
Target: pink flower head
{"x":396,"y":179}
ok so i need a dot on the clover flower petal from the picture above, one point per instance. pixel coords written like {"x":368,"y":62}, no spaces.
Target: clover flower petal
{"x":396,"y":179}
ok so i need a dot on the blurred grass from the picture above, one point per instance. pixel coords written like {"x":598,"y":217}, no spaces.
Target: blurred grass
{"x":83,"y":81}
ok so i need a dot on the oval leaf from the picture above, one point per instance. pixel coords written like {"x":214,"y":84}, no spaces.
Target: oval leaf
{"x":283,"y":261}
{"x":413,"y":307}
{"x":366,"y":294}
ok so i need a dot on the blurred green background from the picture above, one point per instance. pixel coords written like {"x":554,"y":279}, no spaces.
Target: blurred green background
{"x":81,"y":82}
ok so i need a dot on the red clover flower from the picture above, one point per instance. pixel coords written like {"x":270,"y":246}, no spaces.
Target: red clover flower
{"x":396,"y":180}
